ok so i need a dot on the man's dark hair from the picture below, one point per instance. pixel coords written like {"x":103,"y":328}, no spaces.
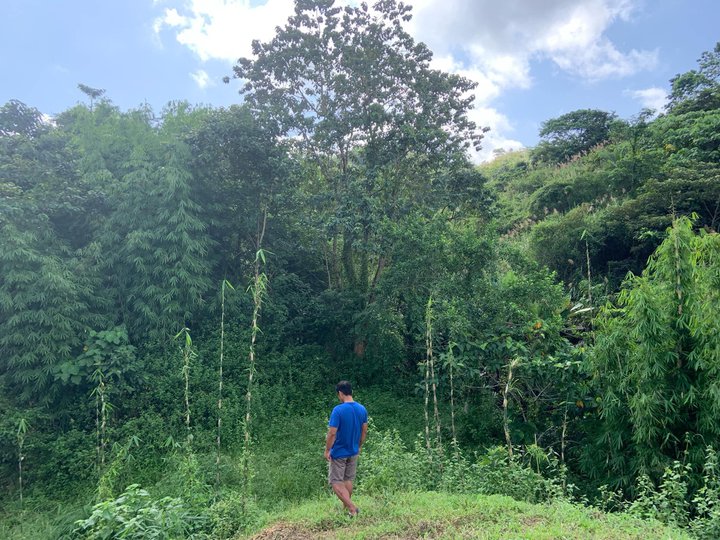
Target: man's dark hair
{"x":345,"y":387}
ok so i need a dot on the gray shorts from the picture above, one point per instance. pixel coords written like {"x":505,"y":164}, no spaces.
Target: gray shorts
{"x":342,"y":469}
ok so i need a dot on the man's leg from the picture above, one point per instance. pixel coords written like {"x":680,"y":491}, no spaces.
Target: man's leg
{"x":336,"y":477}
{"x":342,"y":494}
{"x":348,"y":478}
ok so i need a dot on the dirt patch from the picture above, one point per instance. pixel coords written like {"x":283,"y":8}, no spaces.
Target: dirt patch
{"x":426,"y":528}
{"x":435,"y":529}
{"x":422,"y":529}
{"x":531,"y":521}
{"x":285,"y":531}
{"x":327,"y":524}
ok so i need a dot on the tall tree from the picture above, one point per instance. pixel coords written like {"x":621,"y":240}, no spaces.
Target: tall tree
{"x":48,"y":280}
{"x":571,"y":134}
{"x":16,"y":118}
{"x":92,"y":93}
{"x":697,"y":89}
{"x":356,"y":94}
{"x":239,"y":171}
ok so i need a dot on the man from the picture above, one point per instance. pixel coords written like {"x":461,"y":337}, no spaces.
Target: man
{"x":347,"y":430}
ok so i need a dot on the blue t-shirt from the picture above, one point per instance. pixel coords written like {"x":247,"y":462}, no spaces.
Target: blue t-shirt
{"x":348,"y":418}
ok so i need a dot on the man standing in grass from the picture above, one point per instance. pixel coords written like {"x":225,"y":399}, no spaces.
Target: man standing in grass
{"x":346,"y":434}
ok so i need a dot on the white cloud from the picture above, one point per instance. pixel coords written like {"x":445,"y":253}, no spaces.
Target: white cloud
{"x":201,"y":78}
{"x":490,"y":82}
{"x":493,"y":139}
{"x":224,"y":29}
{"x":495,"y":43}
{"x":650,"y":98}
{"x":492,"y":43}
{"x":173,"y":19}
{"x":496,"y":40}
{"x":501,"y":39}
{"x":601,"y":60}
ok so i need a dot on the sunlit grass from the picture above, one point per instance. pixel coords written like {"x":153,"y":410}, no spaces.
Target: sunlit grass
{"x":437,"y":515}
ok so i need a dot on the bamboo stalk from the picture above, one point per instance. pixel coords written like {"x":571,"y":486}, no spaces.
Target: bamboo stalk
{"x":103,"y":419}
{"x":427,"y":404}
{"x":678,"y":287}
{"x":506,"y":421}
{"x":431,"y":363}
{"x":562,"y":446}
{"x":186,"y":375}
{"x":187,"y":354}
{"x":589,"y":279}
{"x":257,"y":289}
{"x":100,"y":419}
{"x":21,"y":431}
{"x":97,"y":433}
{"x":452,"y":405}
{"x":220,"y":383}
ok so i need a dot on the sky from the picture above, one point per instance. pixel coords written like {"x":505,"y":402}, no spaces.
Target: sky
{"x":532,"y":59}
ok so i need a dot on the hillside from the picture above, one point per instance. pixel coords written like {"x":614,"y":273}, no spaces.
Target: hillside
{"x":436,"y":515}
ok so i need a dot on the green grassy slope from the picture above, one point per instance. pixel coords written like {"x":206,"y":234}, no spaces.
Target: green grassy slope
{"x":437,"y":515}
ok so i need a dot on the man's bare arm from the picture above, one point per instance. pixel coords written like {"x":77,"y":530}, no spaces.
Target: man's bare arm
{"x":329,"y":441}
{"x":363,"y":435}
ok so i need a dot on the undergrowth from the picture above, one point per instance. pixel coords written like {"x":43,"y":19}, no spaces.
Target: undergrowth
{"x":289,"y":470}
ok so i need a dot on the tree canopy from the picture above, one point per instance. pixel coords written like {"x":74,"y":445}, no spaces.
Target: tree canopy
{"x":697,"y":89}
{"x":381,"y":132}
{"x":571,"y":134}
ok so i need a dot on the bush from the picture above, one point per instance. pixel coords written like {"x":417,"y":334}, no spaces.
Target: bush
{"x":706,"y":524}
{"x":386,"y":466}
{"x":495,"y":473}
{"x":135,"y":515}
{"x":186,"y":480}
{"x":668,"y":503}
{"x":233,"y":514}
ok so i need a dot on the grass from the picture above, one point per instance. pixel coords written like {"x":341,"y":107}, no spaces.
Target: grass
{"x":293,"y":500}
{"x":37,"y":521}
{"x":438,"y":515}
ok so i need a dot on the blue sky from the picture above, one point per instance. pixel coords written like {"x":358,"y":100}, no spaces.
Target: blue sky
{"x":533,"y":59}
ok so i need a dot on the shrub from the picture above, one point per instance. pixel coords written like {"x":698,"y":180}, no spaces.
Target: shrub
{"x":233,"y":514}
{"x":668,"y":503}
{"x":706,"y":524}
{"x":135,"y":515}
{"x":186,"y":480}
{"x":495,"y":473}
{"x":386,"y":466}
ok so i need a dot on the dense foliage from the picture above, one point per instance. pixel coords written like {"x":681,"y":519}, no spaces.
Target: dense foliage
{"x":166,"y":279}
